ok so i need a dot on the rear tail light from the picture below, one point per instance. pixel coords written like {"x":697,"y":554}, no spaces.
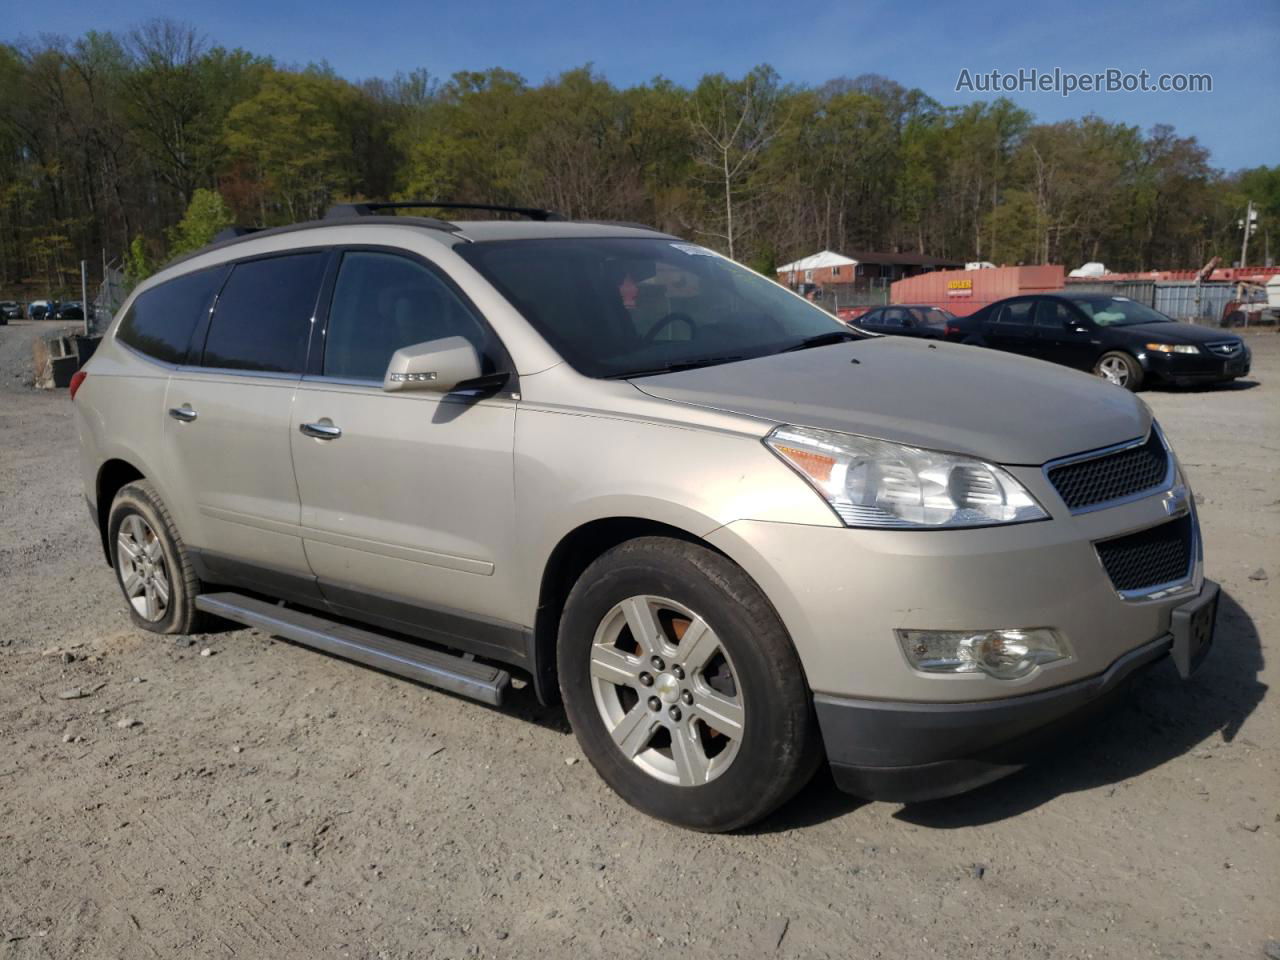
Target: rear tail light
{"x":950,"y":331}
{"x":77,"y":378}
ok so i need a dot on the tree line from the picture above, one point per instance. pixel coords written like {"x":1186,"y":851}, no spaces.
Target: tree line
{"x":145,"y":142}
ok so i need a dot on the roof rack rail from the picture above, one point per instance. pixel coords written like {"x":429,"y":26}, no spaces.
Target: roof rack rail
{"x":231,"y":233}
{"x":364,"y":209}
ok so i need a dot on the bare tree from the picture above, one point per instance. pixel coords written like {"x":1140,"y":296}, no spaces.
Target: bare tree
{"x":732,"y":123}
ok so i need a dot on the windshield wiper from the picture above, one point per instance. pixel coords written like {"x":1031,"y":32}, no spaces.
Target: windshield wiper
{"x":823,"y":340}
{"x":675,"y":367}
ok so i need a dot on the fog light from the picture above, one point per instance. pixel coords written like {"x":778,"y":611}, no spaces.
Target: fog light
{"x":1003,"y":654}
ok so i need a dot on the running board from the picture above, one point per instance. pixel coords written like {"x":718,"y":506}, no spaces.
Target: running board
{"x":446,"y":671}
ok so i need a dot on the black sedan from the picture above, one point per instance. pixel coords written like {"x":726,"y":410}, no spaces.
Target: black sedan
{"x":907,"y":320}
{"x":1114,"y":337}
{"x":10,"y":310}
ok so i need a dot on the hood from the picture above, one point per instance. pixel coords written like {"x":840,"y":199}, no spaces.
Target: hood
{"x":1172,"y":332}
{"x":943,"y":396}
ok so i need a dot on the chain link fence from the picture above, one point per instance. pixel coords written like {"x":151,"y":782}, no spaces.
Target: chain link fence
{"x":111,"y":294}
{"x":1188,"y":301}
{"x":850,"y":296}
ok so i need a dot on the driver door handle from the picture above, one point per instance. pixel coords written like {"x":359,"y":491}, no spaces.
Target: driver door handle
{"x":321,"y":431}
{"x":183,"y":413}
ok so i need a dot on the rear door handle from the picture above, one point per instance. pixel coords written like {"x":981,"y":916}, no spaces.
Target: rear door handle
{"x":183,"y":413}
{"x":321,"y":431}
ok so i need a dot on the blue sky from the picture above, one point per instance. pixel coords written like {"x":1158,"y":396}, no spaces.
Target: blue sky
{"x":921,"y":44}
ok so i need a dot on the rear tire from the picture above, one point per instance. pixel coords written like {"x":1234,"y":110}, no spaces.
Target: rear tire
{"x":1120,"y":368}
{"x":151,"y":563}
{"x":708,"y":723}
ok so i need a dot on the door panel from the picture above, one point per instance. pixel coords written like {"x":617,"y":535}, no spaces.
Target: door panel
{"x":1065,"y":336}
{"x":1012,"y":328}
{"x":228,"y":414}
{"x":234,"y":459}
{"x":414,"y":501}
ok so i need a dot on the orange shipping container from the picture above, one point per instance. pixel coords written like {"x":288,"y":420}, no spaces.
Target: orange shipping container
{"x":964,"y":291}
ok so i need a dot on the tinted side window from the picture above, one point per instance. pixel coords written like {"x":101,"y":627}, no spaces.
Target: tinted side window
{"x":160,"y":321}
{"x":382,"y":302}
{"x":1018,"y":313}
{"x":263,"y":317}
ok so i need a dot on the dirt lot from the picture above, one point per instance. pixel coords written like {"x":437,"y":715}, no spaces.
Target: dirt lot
{"x":272,"y":802}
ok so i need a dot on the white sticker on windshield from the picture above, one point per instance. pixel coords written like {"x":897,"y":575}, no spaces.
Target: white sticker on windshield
{"x":1122,"y":299}
{"x":693,"y":250}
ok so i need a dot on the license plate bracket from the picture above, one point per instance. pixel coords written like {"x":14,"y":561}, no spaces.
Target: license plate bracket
{"x":1192,"y":625}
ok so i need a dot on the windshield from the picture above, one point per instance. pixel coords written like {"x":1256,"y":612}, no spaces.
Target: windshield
{"x":1118,"y":311}
{"x":619,"y":307}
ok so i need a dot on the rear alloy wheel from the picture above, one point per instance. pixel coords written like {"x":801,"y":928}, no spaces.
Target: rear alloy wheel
{"x":683,"y":687}
{"x":1120,"y":369}
{"x":151,"y":563}
{"x":144,"y":577}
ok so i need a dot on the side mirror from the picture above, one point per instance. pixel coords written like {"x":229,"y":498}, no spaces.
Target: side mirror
{"x":436,"y":365}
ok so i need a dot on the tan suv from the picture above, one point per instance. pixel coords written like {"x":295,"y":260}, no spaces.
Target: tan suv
{"x":736,"y":538}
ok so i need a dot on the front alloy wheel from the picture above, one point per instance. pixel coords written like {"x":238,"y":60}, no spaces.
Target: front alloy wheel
{"x":683,"y":687}
{"x":1119,"y":368}
{"x":666,"y":690}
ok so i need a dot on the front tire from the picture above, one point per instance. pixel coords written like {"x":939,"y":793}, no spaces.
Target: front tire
{"x":683,"y":688}
{"x":151,"y":563}
{"x":1121,"y":369}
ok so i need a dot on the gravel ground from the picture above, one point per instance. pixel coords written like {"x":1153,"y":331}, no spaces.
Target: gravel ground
{"x":268,"y":801}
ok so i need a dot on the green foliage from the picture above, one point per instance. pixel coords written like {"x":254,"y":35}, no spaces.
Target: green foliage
{"x":137,"y":264}
{"x":287,"y":135}
{"x":206,"y":215}
{"x":161,"y":133}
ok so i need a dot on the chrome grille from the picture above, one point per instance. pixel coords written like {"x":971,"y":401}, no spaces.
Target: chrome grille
{"x":1112,"y":476}
{"x":1150,"y":558}
{"x":1224,"y":348}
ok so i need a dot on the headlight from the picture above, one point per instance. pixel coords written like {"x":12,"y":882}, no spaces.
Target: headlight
{"x":874,"y":483}
{"x":1003,"y":654}
{"x":1173,"y":347}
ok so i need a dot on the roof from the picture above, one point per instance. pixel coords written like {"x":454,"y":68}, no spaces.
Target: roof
{"x":828,"y":258}
{"x":906,"y":259}
{"x":452,"y":231}
{"x":817,"y":261}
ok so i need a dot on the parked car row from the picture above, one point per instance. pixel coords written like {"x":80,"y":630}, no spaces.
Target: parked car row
{"x":1116,"y":338}
{"x":41,"y":310}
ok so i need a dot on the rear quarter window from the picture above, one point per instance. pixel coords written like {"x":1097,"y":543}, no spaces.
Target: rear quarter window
{"x":160,"y":321}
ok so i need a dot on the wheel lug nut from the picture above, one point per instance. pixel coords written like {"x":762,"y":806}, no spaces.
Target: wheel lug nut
{"x":657,"y":663}
{"x":687,"y":697}
{"x":674,"y":713}
{"x":646,"y":680}
{"x":655,"y":703}
{"x":678,"y":672}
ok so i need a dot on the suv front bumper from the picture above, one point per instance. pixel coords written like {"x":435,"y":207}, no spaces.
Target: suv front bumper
{"x":906,"y":752}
